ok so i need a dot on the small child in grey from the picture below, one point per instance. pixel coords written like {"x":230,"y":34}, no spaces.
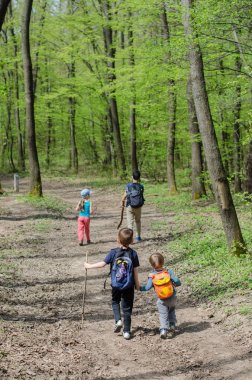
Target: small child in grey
{"x":164,"y":282}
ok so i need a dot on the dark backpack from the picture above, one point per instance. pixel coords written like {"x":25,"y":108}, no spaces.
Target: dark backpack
{"x":122,"y":276}
{"x":135,"y":195}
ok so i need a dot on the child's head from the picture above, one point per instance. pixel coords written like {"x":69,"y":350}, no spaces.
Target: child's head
{"x":125,"y":236}
{"x":85,"y":193}
{"x":136,"y":175}
{"x":156,"y":260}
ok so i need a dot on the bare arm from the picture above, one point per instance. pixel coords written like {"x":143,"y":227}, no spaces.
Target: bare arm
{"x":100,"y":264}
{"x":137,"y":283}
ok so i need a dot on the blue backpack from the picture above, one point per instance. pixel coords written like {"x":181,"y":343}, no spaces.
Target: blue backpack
{"x":135,"y":196}
{"x":122,"y":276}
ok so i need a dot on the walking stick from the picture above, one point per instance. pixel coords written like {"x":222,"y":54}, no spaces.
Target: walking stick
{"x":84,"y":293}
{"x":120,"y":223}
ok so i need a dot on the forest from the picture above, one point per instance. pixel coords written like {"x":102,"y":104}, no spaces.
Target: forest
{"x":91,"y":91}
{"x":111,"y":86}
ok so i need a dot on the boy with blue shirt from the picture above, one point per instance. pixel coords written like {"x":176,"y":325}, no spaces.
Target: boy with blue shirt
{"x":166,"y":306}
{"x":123,"y":296}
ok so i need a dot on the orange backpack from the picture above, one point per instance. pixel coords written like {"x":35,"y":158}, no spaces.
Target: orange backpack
{"x":162,"y":284}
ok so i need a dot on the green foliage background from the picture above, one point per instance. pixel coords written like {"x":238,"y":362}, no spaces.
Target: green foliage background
{"x":70,"y":31}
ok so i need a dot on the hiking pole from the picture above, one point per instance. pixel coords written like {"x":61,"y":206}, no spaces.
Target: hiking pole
{"x":120,"y":223}
{"x":84,"y":293}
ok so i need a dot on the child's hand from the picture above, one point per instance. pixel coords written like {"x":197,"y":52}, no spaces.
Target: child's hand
{"x":87,"y":266}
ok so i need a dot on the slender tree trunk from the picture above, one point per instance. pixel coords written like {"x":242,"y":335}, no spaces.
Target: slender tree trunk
{"x":3,"y":9}
{"x":49,"y":118}
{"x":198,"y":187}
{"x":224,"y":134}
{"x":237,"y":143}
{"x":36,"y":63}
{"x":111,"y":51}
{"x":214,"y":162}
{"x":134,"y":163}
{"x":172,"y":106}
{"x":21,"y":156}
{"x":72,"y":127}
{"x":35,"y":178}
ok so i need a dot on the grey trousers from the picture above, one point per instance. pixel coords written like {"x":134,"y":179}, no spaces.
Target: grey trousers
{"x":134,"y":214}
{"x":167,"y":313}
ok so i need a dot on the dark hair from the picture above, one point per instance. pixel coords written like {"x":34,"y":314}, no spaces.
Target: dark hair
{"x":156,"y":260}
{"x":125,"y":236}
{"x":136,"y":175}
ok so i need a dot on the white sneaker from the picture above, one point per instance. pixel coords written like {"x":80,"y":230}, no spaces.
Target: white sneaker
{"x":163,"y":333}
{"x":126,"y":335}
{"x":118,"y":326}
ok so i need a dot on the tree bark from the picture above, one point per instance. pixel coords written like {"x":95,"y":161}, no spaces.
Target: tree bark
{"x":172,"y":107}
{"x":237,"y":133}
{"x":198,"y":187}
{"x":21,"y":156}
{"x":224,"y":133}
{"x":3,"y":9}
{"x":35,"y":178}
{"x":72,"y":112}
{"x":134,"y":163}
{"x":111,"y":51}
{"x":214,"y":162}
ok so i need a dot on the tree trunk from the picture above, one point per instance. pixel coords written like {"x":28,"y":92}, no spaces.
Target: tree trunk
{"x":198,"y":187}
{"x":35,"y":178}
{"x":36,"y":63}
{"x":172,"y":106}
{"x":237,"y":143}
{"x":21,"y":156}
{"x":224,"y":134}
{"x":72,"y":112}
{"x":134,"y":163}
{"x":111,"y":51}
{"x":3,"y":9}
{"x":214,"y":162}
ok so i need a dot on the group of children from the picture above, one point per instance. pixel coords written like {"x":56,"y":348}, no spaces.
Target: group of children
{"x":124,"y":264}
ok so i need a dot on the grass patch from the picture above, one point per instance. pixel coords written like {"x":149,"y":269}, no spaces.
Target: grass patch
{"x":246,"y":310}
{"x":198,"y":249}
{"x":43,"y":225}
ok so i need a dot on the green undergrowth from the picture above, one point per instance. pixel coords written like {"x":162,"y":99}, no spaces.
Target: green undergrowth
{"x":197,"y":247}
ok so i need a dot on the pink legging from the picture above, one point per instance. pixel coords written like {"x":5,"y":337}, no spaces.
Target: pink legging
{"x":83,"y":225}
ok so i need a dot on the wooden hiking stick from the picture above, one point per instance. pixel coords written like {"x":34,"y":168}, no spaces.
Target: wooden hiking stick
{"x":84,"y":293}
{"x":120,"y":223}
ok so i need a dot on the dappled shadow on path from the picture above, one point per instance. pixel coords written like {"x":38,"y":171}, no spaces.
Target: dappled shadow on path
{"x":196,"y":366}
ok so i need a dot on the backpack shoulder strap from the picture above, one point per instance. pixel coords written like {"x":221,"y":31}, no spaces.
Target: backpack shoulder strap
{"x":117,"y":254}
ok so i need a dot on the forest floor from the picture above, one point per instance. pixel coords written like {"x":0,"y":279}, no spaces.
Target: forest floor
{"x":41,"y":335}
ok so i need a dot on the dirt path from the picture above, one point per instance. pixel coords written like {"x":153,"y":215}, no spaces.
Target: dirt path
{"x":40,"y":327}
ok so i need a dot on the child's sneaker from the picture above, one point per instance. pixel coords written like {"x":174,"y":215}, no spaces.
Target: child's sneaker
{"x":171,"y":331}
{"x":81,"y":243}
{"x":118,"y":326}
{"x":163,"y":333}
{"x":138,"y":238}
{"x":126,"y":335}
{"x":88,"y":241}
